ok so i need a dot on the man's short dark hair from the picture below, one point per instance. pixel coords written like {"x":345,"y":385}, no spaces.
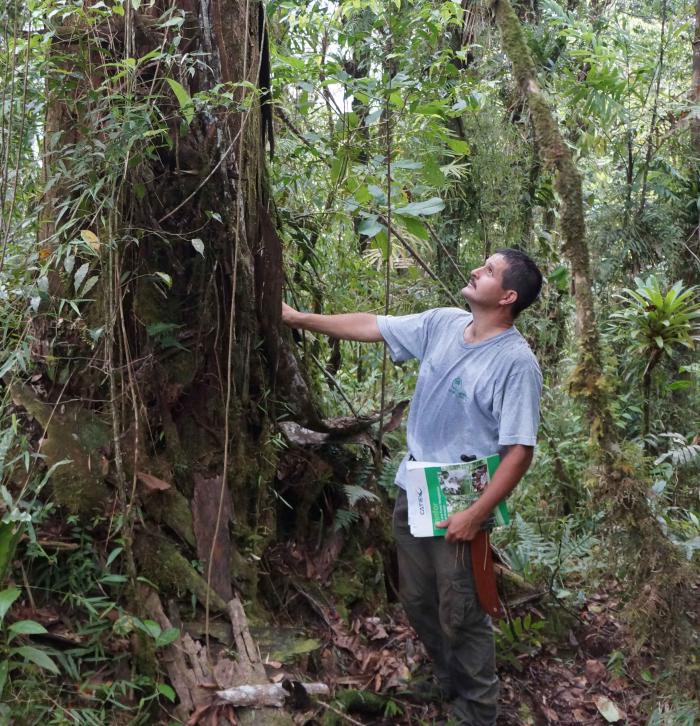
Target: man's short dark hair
{"x":523,"y":276}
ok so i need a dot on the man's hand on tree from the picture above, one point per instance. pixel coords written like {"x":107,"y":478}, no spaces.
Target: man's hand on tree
{"x":461,"y":526}
{"x":346,"y":326}
{"x":288,"y":314}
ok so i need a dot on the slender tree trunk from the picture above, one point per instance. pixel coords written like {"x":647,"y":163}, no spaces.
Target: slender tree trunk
{"x":691,"y":251}
{"x":695,"y":88}
{"x":588,"y":381}
{"x":657,"y":571}
{"x":654,"y":112}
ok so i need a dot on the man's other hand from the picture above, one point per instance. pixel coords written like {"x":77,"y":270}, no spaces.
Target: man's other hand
{"x":461,"y":526}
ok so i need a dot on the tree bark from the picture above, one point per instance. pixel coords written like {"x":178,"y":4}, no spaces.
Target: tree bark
{"x":587,"y":383}
{"x":659,"y":579}
{"x":695,"y":88}
{"x":188,"y":360}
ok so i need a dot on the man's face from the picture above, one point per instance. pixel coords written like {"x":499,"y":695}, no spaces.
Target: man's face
{"x":485,"y":288}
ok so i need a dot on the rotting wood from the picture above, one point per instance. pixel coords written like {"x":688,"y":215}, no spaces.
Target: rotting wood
{"x":248,"y":657}
{"x":343,"y":428}
{"x":267,"y":694}
{"x":186,"y":679}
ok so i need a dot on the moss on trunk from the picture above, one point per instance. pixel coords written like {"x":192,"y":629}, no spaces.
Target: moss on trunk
{"x":588,"y":382}
{"x":162,"y":563}
{"x":76,"y":442}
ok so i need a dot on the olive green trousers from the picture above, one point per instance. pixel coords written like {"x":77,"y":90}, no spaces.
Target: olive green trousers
{"x":437,"y":591}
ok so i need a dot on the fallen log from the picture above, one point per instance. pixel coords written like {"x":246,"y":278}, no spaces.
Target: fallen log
{"x":269,"y":694}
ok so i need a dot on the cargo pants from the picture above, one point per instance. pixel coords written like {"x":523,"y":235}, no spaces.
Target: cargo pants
{"x":437,"y":591}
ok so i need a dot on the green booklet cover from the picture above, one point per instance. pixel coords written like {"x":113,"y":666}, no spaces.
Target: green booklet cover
{"x":435,"y":491}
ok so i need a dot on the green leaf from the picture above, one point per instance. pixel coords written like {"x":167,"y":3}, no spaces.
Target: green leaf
{"x":165,"y":278}
{"x":166,"y":637}
{"x":362,"y":195}
{"x":27,"y":627}
{"x":183,"y":98}
{"x":377,"y":192}
{"x":165,"y":690}
{"x":80,"y":275}
{"x":4,"y":670}
{"x":659,"y":341}
{"x":416,"y":227}
{"x":113,"y":555}
{"x":459,"y":145}
{"x":381,"y":242}
{"x":38,"y":657}
{"x":356,"y":494}
{"x":433,"y":174}
{"x":369,"y":227}
{"x":338,"y":167}
{"x":407,"y":164}
{"x":421,"y":209}
{"x":559,"y":277}
{"x":91,"y":282}
{"x":7,"y":597}
{"x":149,"y":626}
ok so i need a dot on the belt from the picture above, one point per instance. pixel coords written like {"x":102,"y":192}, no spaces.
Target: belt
{"x":484,"y":575}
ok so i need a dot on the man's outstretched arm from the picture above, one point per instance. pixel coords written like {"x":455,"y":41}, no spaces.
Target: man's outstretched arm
{"x":347,"y":326}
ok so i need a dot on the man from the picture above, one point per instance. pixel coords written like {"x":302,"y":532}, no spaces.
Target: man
{"x":477,"y":393}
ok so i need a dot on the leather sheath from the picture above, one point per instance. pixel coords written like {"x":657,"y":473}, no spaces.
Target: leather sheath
{"x":484,"y":575}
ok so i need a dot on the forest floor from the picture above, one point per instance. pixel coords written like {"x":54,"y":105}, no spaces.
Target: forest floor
{"x":373,"y":664}
{"x":557,"y":664}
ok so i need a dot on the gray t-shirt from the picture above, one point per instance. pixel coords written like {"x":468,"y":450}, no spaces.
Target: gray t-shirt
{"x":470,"y":398}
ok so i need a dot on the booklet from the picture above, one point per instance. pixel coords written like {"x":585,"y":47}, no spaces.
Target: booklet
{"x":435,"y":491}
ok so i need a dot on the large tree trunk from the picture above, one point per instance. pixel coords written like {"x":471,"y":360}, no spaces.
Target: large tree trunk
{"x":182,"y":319}
{"x":175,"y":227}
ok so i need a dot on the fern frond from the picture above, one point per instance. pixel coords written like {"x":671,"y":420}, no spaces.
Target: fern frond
{"x":387,"y":477}
{"x":344,"y":519}
{"x":680,"y":452}
{"x":357,"y":494}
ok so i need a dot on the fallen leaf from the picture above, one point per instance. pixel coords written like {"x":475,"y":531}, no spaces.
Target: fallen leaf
{"x":608,"y":710}
{"x":550,"y":714}
{"x":618,"y":684}
{"x":595,"y":671}
{"x":152,"y":482}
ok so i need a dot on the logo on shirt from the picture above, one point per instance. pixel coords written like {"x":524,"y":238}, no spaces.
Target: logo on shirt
{"x":457,"y":390}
